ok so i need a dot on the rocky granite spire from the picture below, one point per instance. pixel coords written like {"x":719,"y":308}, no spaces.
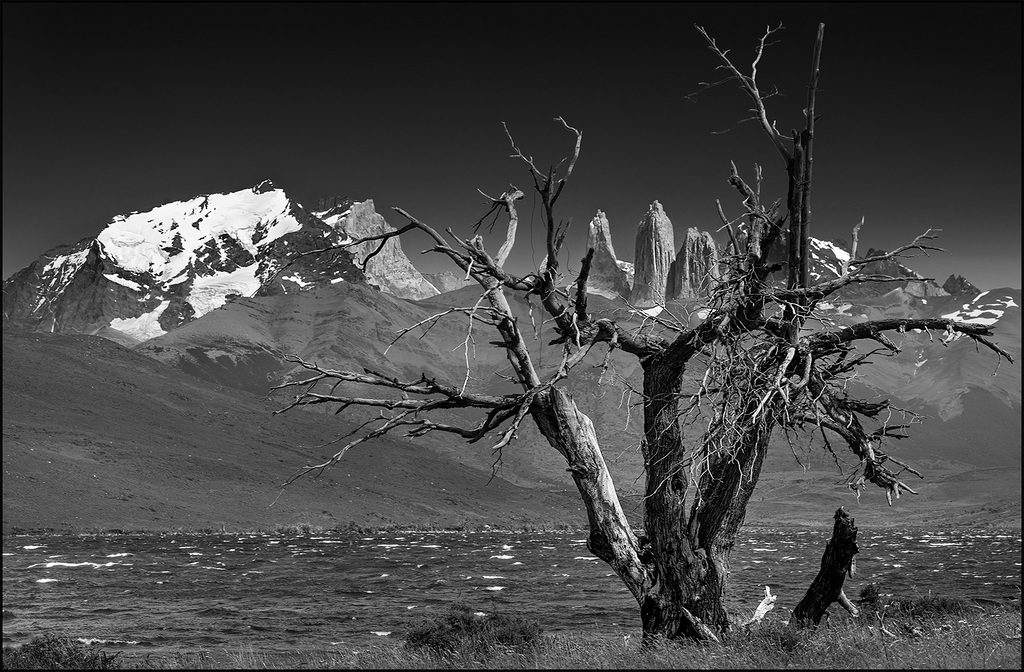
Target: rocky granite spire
{"x":389,"y":269}
{"x":606,"y":276}
{"x":655,"y":252}
{"x":695,"y":268}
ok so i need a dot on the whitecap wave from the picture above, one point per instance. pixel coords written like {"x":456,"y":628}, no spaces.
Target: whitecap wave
{"x":95,"y":565}
{"x":90,"y":641}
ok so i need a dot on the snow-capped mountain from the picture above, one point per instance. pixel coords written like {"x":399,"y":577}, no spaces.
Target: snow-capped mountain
{"x":147,"y":273}
{"x":987,"y":307}
{"x":938,"y":370}
{"x":828,"y":258}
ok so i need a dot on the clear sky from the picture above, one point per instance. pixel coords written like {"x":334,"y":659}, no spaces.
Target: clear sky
{"x":111,"y":108}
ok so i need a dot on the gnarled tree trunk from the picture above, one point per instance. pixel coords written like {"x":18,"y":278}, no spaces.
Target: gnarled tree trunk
{"x":675,"y":603}
{"x":689,"y":555}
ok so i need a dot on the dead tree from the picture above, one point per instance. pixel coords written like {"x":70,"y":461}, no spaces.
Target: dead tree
{"x":760,"y":373}
{"x":837,"y":562}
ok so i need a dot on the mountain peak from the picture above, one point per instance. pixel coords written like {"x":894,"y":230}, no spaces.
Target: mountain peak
{"x":958,"y":284}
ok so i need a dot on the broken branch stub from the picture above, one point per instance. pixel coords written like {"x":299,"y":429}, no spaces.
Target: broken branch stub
{"x":836,"y":564}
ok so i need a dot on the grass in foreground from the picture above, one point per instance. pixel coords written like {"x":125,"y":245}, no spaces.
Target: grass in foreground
{"x":58,"y":652}
{"x":931,"y":633}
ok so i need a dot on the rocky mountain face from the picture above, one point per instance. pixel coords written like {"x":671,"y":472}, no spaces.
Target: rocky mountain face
{"x":932,"y":371}
{"x":828,"y":258}
{"x":607,"y":276}
{"x":388,"y":268}
{"x":695,"y":268}
{"x":655,"y":252}
{"x":149,"y":272}
{"x":914,"y":283}
{"x":956,"y":285}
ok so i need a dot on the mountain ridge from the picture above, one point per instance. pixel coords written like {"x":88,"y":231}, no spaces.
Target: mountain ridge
{"x":149,"y":272}
{"x":236,"y":350}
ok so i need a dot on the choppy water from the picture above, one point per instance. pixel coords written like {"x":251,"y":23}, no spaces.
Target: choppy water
{"x":165,"y":593}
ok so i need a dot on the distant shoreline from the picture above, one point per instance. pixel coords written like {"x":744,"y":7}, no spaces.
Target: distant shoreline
{"x":476,"y":529}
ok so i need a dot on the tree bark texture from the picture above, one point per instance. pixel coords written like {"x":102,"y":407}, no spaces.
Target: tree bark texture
{"x":571,"y":433}
{"x":836,"y":563}
{"x":675,"y":603}
{"x":688,"y":556}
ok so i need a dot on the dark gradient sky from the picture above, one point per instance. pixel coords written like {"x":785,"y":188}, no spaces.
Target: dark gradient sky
{"x":113,"y":108}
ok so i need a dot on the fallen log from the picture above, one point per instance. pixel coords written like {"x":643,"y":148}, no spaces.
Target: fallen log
{"x":837,"y":562}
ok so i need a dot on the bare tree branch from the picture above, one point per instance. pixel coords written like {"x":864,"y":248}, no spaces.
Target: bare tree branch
{"x":749,"y":86}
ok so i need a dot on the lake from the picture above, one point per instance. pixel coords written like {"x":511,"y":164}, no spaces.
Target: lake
{"x":165,"y":593}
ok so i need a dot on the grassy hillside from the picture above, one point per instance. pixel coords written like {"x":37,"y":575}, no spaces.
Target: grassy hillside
{"x":97,"y":436}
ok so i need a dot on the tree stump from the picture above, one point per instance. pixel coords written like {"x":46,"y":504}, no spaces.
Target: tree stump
{"x":837,"y":562}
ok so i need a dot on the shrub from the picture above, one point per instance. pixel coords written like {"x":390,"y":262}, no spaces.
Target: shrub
{"x":57,"y":652}
{"x":928,"y":606}
{"x":463,"y":630}
{"x":870,"y":596}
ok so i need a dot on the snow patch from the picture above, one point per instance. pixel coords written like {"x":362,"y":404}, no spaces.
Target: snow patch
{"x":987,"y":313}
{"x":121,"y":281}
{"x":65,"y":268}
{"x":143,"y":327}
{"x":825,"y":250}
{"x":150,"y":241}
{"x":71,"y":261}
{"x":209,"y":292}
{"x":334,"y":221}
{"x":975,"y":316}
